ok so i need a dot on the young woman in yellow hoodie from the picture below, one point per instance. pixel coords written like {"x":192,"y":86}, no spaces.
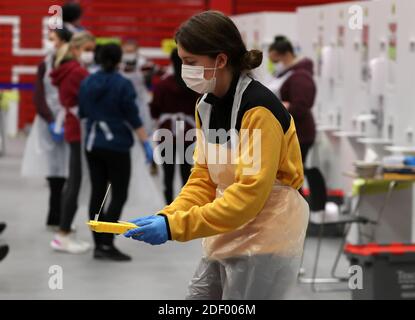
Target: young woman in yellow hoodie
{"x":242,"y":195}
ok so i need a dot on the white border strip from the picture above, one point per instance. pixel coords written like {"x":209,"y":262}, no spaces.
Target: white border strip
{"x":15,"y":22}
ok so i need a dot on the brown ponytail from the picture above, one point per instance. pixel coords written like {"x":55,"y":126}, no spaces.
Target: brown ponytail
{"x":251,"y":59}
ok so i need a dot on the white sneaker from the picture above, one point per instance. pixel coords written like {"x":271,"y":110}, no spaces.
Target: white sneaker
{"x":69,"y":245}
{"x":84,"y":244}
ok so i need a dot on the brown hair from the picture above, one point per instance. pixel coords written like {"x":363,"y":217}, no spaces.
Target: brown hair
{"x":211,"y":33}
{"x":282,"y":45}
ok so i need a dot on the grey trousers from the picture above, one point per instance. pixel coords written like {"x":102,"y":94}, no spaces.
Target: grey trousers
{"x":258,"y":277}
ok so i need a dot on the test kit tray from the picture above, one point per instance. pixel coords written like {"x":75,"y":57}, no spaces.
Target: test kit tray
{"x":119,"y":227}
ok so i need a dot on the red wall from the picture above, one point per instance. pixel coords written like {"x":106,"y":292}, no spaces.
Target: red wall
{"x":147,"y":21}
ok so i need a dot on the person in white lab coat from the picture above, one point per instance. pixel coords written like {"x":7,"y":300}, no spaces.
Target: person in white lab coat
{"x":46,"y":154}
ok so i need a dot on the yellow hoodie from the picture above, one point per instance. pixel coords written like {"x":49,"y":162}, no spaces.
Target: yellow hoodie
{"x":196,"y":212}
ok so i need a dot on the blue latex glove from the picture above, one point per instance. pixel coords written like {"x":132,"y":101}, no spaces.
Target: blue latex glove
{"x":409,"y":161}
{"x":57,"y":137}
{"x":152,"y":230}
{"x":148,"y":149}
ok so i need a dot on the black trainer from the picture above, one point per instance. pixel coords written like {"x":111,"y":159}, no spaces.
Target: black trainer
{"x":4,"y":250}
{"x":2,"y":226}
{"x":110,"y":253}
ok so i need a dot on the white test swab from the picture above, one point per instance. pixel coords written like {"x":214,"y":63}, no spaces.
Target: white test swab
{"x":103,"y":203}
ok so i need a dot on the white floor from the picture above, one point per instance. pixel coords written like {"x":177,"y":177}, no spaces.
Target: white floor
{"x":159,"y":272}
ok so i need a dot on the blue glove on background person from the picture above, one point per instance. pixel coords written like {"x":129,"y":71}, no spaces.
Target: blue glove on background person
{"x":148,"y":149}
{"x":152,"y":230}
{"x":409,"y":161}
{"x":56,"y":136}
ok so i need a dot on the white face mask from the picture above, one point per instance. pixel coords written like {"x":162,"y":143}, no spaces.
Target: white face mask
{"x":278,"y":67}
{"x":50,"y":47}
{"x":194,"y":77}
{"x":87,"y":57}
{"x":129,"y":57}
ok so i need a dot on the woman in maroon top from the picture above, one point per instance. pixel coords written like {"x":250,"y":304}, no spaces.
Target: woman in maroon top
{"x":68,"y":76}
{"x":296,"y":89}
{"x":174,"y":104}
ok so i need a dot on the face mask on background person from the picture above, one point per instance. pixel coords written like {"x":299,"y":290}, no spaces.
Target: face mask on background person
{"x":194,"y":78}
{"x":129,"y":58}
{"x":50,"y":47}
{"x":87,"y":57}
{"x":129,"y":62}
{"x":278,"y":67}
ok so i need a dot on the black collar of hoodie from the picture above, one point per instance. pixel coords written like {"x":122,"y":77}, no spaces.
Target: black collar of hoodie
{"x":227,"y":100}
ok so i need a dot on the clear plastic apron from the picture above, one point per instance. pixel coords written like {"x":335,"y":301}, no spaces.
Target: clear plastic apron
{"x":278,"y":229}
{"x":43,"y":156}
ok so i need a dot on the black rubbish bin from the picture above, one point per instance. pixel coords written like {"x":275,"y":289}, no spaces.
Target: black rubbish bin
{"x":388,"y":271}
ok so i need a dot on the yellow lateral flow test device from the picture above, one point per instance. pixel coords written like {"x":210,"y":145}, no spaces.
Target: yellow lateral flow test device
{"x":111,"y":227}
